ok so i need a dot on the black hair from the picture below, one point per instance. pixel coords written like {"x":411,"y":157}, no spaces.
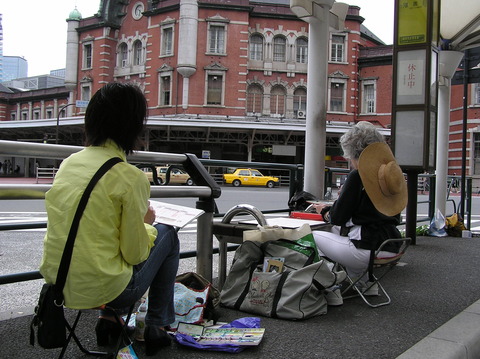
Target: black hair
{"x":118,"y":111}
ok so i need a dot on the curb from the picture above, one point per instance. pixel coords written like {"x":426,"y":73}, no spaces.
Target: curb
{"x":459,"y":338}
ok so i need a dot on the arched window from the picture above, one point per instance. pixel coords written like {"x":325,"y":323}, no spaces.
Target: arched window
{"x":137,"y":53}
{"x":279,"y":48}
{"x":123,"y":55}
{"x":256,"y":47}
{"x":302,"y":50}
{"x":254,"y":98}
{"x":277,"y":100}
{"x":300,"y":101}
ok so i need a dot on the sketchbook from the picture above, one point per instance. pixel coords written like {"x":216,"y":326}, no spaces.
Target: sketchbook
{"x":174,"y":215}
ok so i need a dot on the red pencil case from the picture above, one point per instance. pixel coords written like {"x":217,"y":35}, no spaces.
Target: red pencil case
{"x":306,"y":215}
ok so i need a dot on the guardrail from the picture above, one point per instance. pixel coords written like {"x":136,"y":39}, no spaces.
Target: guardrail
{"x":206,"y":189}
{"x":45,"y":173}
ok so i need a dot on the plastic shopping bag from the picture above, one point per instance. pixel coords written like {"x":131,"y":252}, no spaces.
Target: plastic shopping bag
{"x":437,"y":225}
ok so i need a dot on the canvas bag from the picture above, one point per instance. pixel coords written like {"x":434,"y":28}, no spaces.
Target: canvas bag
{"x":296,"y":293}
{"x":272,"y":233}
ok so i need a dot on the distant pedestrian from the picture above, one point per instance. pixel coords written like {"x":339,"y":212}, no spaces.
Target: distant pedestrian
{"x":454,"y":186}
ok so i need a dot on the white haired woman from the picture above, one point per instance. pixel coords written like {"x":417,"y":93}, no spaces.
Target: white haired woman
{"x":368,"y":208}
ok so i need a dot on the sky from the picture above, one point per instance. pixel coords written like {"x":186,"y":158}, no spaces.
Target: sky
{"x":37,"y":30}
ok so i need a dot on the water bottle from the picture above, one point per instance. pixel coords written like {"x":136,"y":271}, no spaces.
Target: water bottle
{"x":140,"y":321}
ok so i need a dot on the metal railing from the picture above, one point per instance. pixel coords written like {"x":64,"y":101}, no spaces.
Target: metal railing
{"x":206,"y":189}
{"x":426,"y":184}
{"x":45,"y":173}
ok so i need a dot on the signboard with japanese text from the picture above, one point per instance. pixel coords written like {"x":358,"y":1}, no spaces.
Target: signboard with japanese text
{"x":412,"y":22}
{"x":411,"y":77}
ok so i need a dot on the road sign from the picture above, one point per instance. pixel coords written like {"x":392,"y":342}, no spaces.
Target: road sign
{"x":81,"y":104}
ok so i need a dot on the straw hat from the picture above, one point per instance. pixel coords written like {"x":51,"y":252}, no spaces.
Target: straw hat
{"x":383,"y":179}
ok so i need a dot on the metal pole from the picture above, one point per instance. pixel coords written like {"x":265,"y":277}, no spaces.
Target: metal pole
{"x":464,"y":131}
{"x":58,"y":119}
{"x":205,"y":238}
{"x":411,"y":221}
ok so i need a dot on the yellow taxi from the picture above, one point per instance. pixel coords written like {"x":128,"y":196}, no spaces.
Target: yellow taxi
{"x":250,"y":177}
{"x":177,"y":176}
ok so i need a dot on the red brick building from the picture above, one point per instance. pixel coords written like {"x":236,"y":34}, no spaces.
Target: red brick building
{"x":229,"y":77}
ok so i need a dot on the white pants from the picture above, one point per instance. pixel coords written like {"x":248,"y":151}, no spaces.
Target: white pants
{"x":341,"y":249}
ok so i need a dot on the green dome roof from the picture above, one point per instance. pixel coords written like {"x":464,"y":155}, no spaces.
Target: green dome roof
{"x":75,"y":15}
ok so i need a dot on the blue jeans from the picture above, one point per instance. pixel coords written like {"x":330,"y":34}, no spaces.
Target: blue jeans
{"x":158,"y":272}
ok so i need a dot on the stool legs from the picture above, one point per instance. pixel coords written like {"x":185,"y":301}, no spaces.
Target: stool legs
{"x":123,"y":335}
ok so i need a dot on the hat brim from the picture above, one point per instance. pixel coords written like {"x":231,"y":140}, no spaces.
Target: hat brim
{"x":371,"y":159}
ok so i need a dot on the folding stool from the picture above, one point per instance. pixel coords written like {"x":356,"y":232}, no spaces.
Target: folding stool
{"x":380,"y":266}
{"x":110,"y":354}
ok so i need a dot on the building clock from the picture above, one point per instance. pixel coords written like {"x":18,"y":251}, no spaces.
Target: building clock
{"x":137,"y":11}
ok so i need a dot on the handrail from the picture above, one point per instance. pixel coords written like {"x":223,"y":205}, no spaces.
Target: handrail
{"x":207,"y":189}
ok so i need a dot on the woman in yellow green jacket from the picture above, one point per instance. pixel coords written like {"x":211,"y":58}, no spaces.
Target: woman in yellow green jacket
{"x":118,"y":252}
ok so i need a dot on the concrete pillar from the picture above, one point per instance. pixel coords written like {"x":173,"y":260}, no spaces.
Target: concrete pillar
{"x":316,"y":120}
{"x":317,"y":14}
{"x":187,"y":51}
{"x":71,"y":99}
{"x":30,"y":110}
{"x":42,"y":109}
{"x":442,"y":144}
{"x":71,"y":68}
{"x":55,"y":107}
{"x":448,"y":61}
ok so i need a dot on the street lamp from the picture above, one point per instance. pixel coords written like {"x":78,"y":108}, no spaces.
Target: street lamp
{"x":58,"y":118}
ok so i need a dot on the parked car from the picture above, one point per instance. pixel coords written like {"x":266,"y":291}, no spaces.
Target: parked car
{"x":250,"y":177}
{"x":177,"y":176}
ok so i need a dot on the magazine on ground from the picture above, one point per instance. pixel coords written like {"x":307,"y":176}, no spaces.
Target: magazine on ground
{"x":174,"y":215}
{"x":215,"y":335}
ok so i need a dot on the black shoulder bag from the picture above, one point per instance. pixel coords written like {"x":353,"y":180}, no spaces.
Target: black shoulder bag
{"x":49,"y":316}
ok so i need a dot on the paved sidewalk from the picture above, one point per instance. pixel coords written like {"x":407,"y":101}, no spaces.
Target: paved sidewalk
{"x":434,"y":313}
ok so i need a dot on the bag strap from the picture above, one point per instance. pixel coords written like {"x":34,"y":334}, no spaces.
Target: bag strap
{"x":67,"y":252}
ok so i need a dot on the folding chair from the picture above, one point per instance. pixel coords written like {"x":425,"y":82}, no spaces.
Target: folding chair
{"x":109,"y":354}
{"x":377,"y":269}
